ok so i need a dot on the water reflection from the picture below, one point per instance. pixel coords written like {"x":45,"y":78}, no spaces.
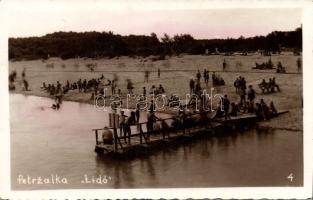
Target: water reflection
{"x":264,"y":133}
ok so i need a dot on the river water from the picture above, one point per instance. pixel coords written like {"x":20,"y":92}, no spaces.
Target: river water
{"x":46,"y":143}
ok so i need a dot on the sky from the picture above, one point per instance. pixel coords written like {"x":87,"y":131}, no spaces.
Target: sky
{"x":37,"y":18}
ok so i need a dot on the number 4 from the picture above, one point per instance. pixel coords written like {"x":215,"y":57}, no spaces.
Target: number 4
{"x":290,"y":177}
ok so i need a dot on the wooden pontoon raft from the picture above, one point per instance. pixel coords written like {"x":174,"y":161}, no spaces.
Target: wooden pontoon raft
{"x":142,"y":142}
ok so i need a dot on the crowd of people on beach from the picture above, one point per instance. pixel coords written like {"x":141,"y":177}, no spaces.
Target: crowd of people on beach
{"x":97,"y":86}
{"x":196,"y":90}
{"x":269,"y":86}
{"x":80,"y":85}
{"x":217,"y":80}
{"x":58,"y":90}
{"x":226,"y":109}
{"x":195,"y":85}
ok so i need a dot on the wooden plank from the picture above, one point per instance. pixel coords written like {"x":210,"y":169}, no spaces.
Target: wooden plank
{"x":96,"y":132}
{"x":244,"y":117}
{"x":236,"y":118}
{"x":282,"y":112}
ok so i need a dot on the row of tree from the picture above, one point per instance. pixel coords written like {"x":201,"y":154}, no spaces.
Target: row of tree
{"x":107,"y":44}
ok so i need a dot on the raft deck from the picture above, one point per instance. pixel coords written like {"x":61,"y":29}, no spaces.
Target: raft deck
{"x":141,"y":140}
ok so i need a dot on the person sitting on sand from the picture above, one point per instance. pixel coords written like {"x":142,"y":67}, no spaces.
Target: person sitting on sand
{"x":161,"y":89}
{"x":280,"y":67}
{"x":263,"y":85}
{"x":273,"y":83}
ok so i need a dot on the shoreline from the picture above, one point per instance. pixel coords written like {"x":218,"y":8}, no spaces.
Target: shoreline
{"x":291,"y":119}
{"x":89,"y":102}
{"x":177,"y":83}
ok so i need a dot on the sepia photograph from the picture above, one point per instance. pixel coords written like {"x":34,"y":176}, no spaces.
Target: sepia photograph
{"x":109,"y":96}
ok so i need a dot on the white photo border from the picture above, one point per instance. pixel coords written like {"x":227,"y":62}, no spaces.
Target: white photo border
{"x":181,"y":193}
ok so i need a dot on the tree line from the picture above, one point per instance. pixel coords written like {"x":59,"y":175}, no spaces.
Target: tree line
{"x":107,"y":44}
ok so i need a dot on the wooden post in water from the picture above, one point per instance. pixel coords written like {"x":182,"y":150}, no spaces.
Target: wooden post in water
{"x":96,"y":132}
{"x":114,"y":133}
{"x":163,"y":129}
{"x":140,"y":133}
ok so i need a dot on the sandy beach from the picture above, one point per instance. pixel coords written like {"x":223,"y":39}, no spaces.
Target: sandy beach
{"x":176,"y":71}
